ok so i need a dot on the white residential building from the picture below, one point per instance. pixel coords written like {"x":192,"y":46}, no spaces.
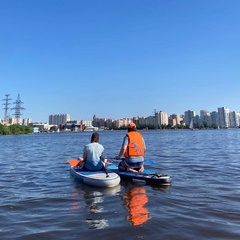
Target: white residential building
{"x":162,"y":118}
{"x":123,"y":122}
{"x":86,"y":123}
{"x":15,"y":121}
{"x":149,"y":121}
{"x":27,"y":121}
{"x":177,"y":118}
{"x":224,"y":117}
{"x":234,"y":119}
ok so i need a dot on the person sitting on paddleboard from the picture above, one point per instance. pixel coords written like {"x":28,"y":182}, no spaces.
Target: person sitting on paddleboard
{"x":133,"y":149}
{"x":93,"y":155}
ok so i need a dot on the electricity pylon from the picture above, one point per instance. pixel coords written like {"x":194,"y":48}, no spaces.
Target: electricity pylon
{"x":6,"y":108}
{"x":18,"y":107}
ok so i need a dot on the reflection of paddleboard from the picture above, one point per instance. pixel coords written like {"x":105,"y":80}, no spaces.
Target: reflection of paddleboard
{"x":110,"y":191}
{"x":148,"y":176}
{"x":96,"y":178}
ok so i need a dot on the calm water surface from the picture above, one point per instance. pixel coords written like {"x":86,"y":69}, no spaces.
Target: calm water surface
{"x":41,"y":200}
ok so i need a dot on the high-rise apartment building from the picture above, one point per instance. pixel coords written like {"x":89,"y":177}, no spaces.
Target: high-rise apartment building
{"x":234,"y":119}
{"x":188,"y":116}
{"x":214,"y":118}
{"x":162,"y":118}
{"x":177,"y":118}
{"x":224,"y":117}
{"x":205,"y":116}
{"x":27,"y":121}
{"x":57,"y":119}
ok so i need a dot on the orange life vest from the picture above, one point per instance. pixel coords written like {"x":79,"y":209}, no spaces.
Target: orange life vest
{"x":135,"y":146}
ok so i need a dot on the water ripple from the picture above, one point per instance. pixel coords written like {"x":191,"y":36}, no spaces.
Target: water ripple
{"x":41,"y":199}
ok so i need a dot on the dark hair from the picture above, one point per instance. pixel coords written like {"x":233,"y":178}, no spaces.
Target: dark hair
{"x":95,"y":137}
{"x":132,"y":129}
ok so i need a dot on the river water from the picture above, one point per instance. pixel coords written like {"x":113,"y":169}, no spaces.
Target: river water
{"x":41,"y":200}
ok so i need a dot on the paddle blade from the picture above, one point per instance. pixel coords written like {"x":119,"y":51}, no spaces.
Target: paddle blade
{"x":73,"y":162}
{"x":150,"y":162}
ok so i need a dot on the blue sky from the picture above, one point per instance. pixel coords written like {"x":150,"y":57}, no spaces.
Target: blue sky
{"x":120,"y":58}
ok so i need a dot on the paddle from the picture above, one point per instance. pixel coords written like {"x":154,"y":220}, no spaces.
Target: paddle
{"x":74,"y":163}
{"x":145,"y":160}
{"x":105,"y":170}
{"x":150,"y":162}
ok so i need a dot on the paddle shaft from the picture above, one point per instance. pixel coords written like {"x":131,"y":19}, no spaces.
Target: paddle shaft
{"x":105,"y":170}
{"x":145,"y":160}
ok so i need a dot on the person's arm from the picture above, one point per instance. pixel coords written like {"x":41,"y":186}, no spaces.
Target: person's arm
{"x":84,"y":156}
{"x":102,"y":153}
{"x":122,"y":151}
{"x":103,"y":159}
{"x":123,"y":148}
{"x":144,"y":145}
{"x":80,"y":159}
{"x":102,"y":156}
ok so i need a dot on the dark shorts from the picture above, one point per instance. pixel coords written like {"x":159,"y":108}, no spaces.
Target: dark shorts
{"x":123,"y":164}
{"x":86,"y":169}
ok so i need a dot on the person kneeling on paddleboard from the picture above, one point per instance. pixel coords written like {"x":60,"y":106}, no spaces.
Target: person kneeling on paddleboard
{"x":133,"y":149}
{"x":93,"y":155}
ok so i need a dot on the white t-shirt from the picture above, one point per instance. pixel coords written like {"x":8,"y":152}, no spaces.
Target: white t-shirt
{"x":94,"y":152}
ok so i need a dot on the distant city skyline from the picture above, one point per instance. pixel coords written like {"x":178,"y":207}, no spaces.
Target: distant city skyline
{"x":222,"y":118}
{"x":47,"y":118}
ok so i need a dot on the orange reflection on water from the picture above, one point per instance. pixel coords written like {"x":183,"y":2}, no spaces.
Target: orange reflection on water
{"x":136,"y":199}
{"x":75,"y":204}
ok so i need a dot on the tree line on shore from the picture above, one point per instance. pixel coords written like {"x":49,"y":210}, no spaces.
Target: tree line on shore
{"x":21,"y":129}
{"x":14,"y":129}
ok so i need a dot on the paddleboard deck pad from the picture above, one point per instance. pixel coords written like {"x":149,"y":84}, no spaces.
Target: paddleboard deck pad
{"x":150,"y":177}
{"x":96,"y":178}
